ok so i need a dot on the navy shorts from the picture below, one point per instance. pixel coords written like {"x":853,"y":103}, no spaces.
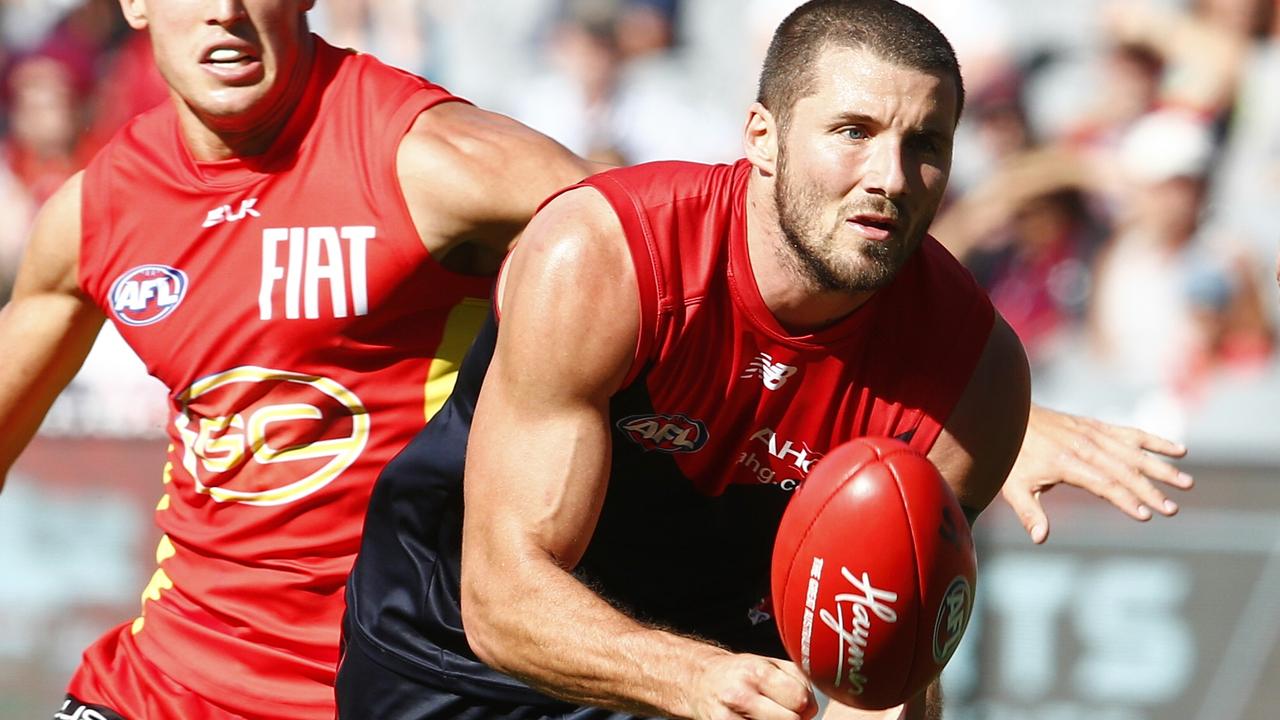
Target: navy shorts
{"x":367,"y":689}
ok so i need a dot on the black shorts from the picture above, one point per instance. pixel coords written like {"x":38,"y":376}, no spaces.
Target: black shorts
{"x":74,"y":709}
{"x":366,"y":689}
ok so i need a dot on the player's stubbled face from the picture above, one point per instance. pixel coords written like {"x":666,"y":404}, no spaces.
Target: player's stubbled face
{"x":229,"y":60}
{"x":862,"y":166}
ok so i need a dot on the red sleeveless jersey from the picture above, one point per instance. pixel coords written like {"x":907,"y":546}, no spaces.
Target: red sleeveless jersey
{"x":712,"y":349}
{"x":305,"y":335}
{"x":721,"y":419}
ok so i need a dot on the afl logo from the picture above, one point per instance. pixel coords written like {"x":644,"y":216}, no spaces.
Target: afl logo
{"x":665,"y":433}
{"x":147,"y":294}
{"x":953,"y":618}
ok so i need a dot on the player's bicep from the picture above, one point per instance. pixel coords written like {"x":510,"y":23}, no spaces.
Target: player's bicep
{"x":981,"y":438}
{"x":538,"y":454}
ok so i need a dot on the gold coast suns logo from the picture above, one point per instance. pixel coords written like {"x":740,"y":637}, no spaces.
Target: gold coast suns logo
{"x":268,"y":437}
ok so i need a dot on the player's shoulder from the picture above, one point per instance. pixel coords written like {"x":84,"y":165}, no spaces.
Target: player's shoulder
{"x":53,"y":251}
{"x":470,"y":137}
{"x":64,"y":203}
{"x":576,"y":225}
{"x":475,"y":173}
{"x":575,"y":233}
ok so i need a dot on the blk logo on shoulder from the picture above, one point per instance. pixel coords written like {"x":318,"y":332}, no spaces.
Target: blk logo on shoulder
{"x":147,"y":294}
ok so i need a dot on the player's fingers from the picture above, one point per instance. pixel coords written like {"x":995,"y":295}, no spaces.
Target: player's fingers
{"x":787,"y":686}
{"x":1099,"y":476}
{"x":1163,"y":446}
{"x":1167,"y":473}
{"x":757,"y":706}
{"x":1138,"y":439}
{"x":1138,"y":470}
{"x":1147,"y":493}
{"x":1026,"y":505}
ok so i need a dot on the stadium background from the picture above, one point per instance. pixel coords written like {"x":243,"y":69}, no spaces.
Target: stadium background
{"x":1117,"y":188}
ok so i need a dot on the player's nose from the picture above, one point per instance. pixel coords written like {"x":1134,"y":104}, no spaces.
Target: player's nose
{"x":884,"y":172}
{"x":225,"y":12}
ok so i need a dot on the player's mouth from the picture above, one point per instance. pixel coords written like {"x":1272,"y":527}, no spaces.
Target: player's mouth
{"x":233,"y":63}
{"x":878,"y":228}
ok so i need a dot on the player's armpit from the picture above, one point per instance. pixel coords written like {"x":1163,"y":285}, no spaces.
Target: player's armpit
{"x":47,"y":327}
{"x":981,"y":438}
{"x":475,"y":177}
{"x":1118,"y":464}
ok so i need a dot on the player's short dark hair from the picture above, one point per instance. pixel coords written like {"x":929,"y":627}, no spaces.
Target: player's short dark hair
{"x":887,"y":29}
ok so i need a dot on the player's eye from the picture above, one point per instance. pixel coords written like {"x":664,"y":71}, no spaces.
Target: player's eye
{"x":927,"y":144}
{"x":856,"y":132}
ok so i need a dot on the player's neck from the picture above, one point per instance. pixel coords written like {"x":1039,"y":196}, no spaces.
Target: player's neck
{"x":797,"y":303}
{"x":208,"y":140}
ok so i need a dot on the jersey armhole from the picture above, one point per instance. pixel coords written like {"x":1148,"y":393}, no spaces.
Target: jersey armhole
{"x":95,"y":227}
{"x":386,"y":161}
{"x":950,"y":379}
{"x":644,"y":260}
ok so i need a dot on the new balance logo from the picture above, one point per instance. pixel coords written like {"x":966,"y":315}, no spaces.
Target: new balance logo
{"x":223,"y":213}
{"x":773,"y":375}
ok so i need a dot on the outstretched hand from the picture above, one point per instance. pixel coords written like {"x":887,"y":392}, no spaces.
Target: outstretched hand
{"x":1119,"y":464}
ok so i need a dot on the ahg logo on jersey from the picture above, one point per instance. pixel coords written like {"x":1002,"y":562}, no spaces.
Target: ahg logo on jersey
{"x":773,"y":374}
{"x":665,"y":433}
{"x":147,"y":294}
{"x":799,"y":456}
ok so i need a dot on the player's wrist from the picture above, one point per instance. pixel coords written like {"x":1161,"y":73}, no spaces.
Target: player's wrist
{"x":693,"y":684}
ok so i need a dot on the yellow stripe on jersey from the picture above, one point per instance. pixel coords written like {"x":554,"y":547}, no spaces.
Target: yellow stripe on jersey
{"x":460,"y":329}
{"x":159,"y":581}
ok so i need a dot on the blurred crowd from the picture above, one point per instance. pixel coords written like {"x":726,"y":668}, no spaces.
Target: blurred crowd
{"x":1116,"y":184}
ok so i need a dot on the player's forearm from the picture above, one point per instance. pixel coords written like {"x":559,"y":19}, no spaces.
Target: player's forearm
{"x":545,"y":627}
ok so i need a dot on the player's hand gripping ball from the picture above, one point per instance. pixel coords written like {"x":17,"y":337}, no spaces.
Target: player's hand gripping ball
{"x":873,"y":574}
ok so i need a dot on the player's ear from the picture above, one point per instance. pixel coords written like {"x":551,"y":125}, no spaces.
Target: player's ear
{"x":760,"y":139}
{"x":135,"y":13}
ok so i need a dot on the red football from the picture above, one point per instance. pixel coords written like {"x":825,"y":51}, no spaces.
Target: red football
{"x":873,"y":574}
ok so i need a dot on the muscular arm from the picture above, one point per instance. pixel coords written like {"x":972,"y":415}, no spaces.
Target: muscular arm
{"x":48,"y":326}
{"x":537,"y":470}
{"x":473,"y":178}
